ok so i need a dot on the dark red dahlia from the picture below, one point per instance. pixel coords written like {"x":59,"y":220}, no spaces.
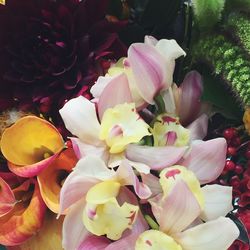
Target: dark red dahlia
{"x":52,"y":50}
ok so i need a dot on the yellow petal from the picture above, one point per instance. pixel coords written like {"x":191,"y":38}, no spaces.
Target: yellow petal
{"x":156,"y":240}
{"x":30,"y":140}
{"x":103,"y":192}
{"x":51,"y":179}
{"x":121,"y":126}
{"x":170,"y":176}
{"x":111,"y":219}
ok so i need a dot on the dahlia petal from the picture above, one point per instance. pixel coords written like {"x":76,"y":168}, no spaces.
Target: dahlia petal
{"x":118,"y":85}
{"x":217,"y":235}
{"x":23,"y":221}
{"x":155,"y":157}
{"x":147,"y":65}
{"x":24,"y":144}
{"x":178,"y":209}
{"x":198,"y":128}
{"x":74,"y":231}
{"x":191,"y":91}
{"x":32,"y":170}
{"x":218,"y":201}
{"x":7,"y":198}
{"x":48,"y":179}
{"x":87,"y":172}
{"x":79,"y":116}
{"x":206,"y":159}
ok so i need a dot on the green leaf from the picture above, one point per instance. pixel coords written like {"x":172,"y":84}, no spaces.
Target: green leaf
{"x":215,"y":92}
{"x":208,"y":12}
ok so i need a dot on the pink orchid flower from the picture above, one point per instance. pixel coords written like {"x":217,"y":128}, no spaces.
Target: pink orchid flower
{"x":92,"y":186}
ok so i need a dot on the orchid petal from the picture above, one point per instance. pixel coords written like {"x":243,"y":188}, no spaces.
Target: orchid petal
{"x":155,"y":157}
{"x":169,"y":101}
{"x":147,"y":65}
{"x":73,"y":230}
{"x":218,"y":201}
{"x":178,"y":209}
{"x":190,"y":104}
{"x":24,"y":144}
{"x":94,"y":243}
{"x":153,"y":183}
{"x":26,"y":218}
{"x":198,"y":128}
{"x":126,"y":176}
{"x":118,"y":85}
{"x":150,"y":40}
{"x":7,"y":198}
{"x":48,"y":179}
{"x":206,"y":159}
{"x":217,"y":235}
{"x":88,"y":172}
{"x":79,"y":116}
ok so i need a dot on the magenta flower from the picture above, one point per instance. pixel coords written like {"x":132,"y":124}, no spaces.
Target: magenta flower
{"x":52,"y":51}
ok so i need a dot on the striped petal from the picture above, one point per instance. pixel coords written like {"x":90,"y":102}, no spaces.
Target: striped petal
{"x":198,"y":128}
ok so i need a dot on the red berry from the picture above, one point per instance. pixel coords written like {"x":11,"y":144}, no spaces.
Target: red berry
{"x":229,"y":133}
{"x":236,"y":141}
{"x":230,"y":165}
{"x":247,"y":154}
{"x":231,"y":151}
{"x":235,"y":182}
{"x":238,"y":169}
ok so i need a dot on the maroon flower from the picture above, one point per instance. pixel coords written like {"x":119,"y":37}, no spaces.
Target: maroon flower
{"x":52,"y":49}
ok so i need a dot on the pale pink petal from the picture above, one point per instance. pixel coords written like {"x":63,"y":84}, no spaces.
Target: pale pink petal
{"x":218,"y":201}
{"x":149,"y":70}
{"x":156,"y":158}
{"x":82,"y":149}
{"x":73,"y":231}
{"x":120,"y":87}
{"x":206,"y":159}
{"x":79,"y":116}
{"x":88,"y":171}
{"x":169,"y":101}
{"x":152,"y":182}
{"x":198,"y":128}
{"x":179,"y":209}
{"x":127,"y":176}
{"x":214,"y":235}
{"x":102,"y":81}
{"x":150,"y":40}
{"x":93,"y":242}
{"x":7,"y":198}
{"x":191,"y":91}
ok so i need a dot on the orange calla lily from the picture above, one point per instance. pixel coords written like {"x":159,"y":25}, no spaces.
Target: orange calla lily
{"x":30,"y":145}
{"x":26,"y":217}
{"x":49,"y":237}
{"x":50,"y":179}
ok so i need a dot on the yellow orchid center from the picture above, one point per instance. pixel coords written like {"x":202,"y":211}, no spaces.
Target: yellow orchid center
{"x":170,"y":176}
{"x":103,"y":215}
{"x":167,"y":130}
{"x":121,"y":126}
{"x":156,"y":240}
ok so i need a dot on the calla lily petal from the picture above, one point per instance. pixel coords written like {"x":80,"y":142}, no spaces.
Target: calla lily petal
{"x":73,"y":230}
{"x":190,"y":104}
{"x":206,"y":159}
{"x":118,"y":85}
{"x":178,"y":209}
{"x":198,"y":128}
{"x":218,"y":201}
{"x":49,"y":179}
{"x":25,"y":219}
{"x":147,"y":65}
{"x":79,"y":116}
{"x":24,"y":144}
{"x":156,"y":158}
{"x":87,"y":172}
{"x":217,"y":235}
{"x":7,"y":198}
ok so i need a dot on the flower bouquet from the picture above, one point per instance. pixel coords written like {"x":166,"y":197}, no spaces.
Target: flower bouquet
{"x":115,"y":148}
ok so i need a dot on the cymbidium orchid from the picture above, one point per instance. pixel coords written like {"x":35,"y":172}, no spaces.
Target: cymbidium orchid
{"x":97,"y":196}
